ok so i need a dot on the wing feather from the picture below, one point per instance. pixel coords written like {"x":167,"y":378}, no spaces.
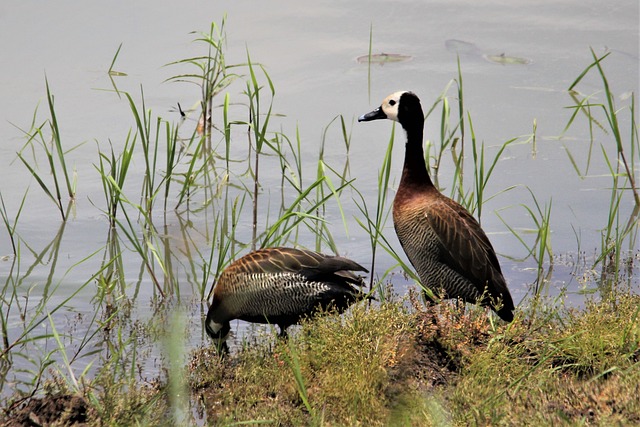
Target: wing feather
{"x":466,"y":248}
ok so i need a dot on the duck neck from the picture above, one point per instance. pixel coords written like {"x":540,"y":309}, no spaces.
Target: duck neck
{"x":414,"y":173}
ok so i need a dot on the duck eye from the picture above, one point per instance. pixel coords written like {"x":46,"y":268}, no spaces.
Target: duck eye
{"x":392,"y":102}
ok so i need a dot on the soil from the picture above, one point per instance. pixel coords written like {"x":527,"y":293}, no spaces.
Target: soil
{"x":50,"y":411}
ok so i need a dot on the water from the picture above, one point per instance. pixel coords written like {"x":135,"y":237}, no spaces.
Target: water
{"x":310,"y":54}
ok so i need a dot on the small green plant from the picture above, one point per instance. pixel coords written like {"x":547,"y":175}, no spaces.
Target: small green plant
{"x":258,"y":123}
{"x":174,"y":344}
{"x":9,"y":224}
{"x":113,"y":172}
{"x":150,"y":144}
{"x":213,"y":74}
{"x":53,"y":152}
{"x":293,"y":360}
{"x":620,"y":228}
{"x":374,"y":227}
{"x":541,"y":248}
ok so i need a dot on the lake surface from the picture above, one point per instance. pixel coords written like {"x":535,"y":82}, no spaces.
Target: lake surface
{"x":310,"y":55}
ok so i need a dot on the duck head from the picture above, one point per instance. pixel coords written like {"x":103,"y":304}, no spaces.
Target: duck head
{"x":403,"y":107}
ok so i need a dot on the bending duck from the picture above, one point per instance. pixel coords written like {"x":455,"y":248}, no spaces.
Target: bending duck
{"x":279,"y":286}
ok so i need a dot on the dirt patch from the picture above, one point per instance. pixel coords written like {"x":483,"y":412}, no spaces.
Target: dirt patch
{"x":53,"y":411}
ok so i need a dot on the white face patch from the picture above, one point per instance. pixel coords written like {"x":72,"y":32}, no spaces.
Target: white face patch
{"x":215,"y":327}
{"x":390,"y":105}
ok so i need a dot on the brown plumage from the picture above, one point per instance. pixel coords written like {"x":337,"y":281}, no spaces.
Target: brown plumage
{"x":279,"y":286}
{"x":443,"y":241}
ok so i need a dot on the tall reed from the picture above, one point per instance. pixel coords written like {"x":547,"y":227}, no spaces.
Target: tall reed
{"x":113,"y":172}
{"x":11,"y":224}
{"x":620,"y":226}
{"x":258,"y":123}
{"x":51,"y":145}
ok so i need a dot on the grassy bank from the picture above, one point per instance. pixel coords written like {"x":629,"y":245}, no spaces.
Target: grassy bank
{"x":389,"y":365}
{"x":401,"y":363}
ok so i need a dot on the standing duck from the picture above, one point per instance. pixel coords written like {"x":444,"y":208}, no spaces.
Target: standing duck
{"x":443,"y":241}
{"x":279,"y":286}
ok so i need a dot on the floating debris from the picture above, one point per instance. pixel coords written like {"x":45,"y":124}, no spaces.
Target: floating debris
{"x":462,"y":47}
{"x":115,"y":73}
{"x":383,"y":58}
{"x":201,"y":129}
{"x":507,"y":60}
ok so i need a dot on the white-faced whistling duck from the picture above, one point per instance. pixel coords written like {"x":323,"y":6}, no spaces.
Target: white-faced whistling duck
{"x":279,"y":286}
{"x":443,"y":241}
